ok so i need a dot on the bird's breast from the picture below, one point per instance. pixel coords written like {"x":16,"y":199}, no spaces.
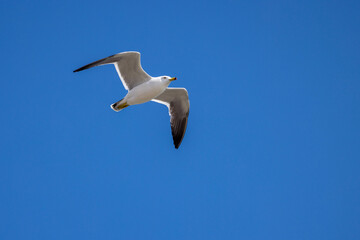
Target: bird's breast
{"x":145,"y":92}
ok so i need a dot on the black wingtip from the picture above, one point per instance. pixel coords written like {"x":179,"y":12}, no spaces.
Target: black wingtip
{"x":79,"y":69}
{"x":178,"y":131}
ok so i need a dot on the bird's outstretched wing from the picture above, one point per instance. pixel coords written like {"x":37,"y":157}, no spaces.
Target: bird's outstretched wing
{"x":177,"y":100}
{"x":127,"y":65}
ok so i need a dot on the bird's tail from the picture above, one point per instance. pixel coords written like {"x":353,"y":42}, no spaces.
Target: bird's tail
{"x":119,"y":105}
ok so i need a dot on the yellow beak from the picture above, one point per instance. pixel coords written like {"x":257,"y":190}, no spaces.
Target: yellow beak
{"x":172,"y":79}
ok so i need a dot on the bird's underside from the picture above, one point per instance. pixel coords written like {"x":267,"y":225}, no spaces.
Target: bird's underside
{"x":128,"y":67}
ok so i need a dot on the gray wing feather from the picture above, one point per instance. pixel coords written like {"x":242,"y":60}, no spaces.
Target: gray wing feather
{"x":128,"y":67}
{"x":177,"y":100}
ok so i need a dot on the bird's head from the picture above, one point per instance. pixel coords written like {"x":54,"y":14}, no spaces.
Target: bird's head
{"x":168,"y":79}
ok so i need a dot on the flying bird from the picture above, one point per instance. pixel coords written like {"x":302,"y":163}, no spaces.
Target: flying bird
{"x":143,"y":88}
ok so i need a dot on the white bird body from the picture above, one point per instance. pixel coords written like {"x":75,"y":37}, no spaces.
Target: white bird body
{"x":146,"y":91}
{"x":143,"y":88}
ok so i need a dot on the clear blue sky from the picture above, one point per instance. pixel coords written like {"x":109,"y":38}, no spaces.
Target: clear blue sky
{"x":272,"y":149}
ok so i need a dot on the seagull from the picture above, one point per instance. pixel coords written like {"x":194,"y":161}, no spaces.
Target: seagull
{"x":143,"y":88}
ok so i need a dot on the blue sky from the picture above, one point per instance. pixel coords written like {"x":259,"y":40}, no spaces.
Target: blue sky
{"x":272,"y":144}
